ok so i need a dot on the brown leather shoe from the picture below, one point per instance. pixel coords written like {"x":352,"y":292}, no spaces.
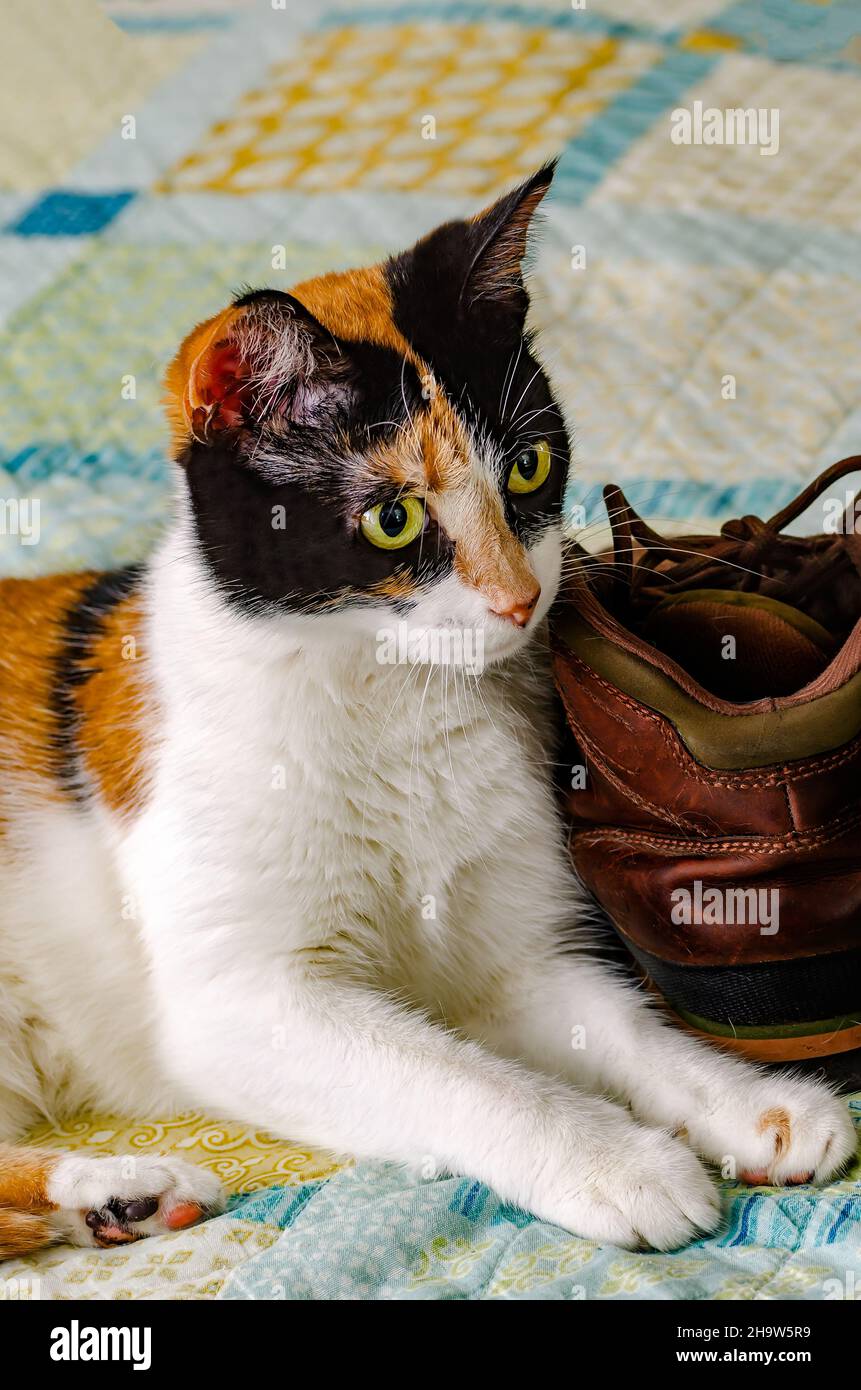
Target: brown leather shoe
{"x":712,"y":685}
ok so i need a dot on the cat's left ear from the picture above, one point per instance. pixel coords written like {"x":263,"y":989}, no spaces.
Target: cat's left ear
{"x":264,"y":356}
{"x":498,"y":241}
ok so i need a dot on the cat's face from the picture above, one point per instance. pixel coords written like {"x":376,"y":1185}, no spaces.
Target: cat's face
{"x":380,"y":448}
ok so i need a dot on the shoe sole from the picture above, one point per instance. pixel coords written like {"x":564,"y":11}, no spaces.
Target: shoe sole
{"x":764,"y":1009}
{"x":796,"y":1043}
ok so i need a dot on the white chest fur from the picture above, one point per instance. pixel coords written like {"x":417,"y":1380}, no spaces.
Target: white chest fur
{"x":314,"y":804}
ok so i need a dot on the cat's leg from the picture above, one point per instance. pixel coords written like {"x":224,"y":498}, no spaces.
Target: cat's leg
{"x":24,"y":1204}
{"x":579,"y":1019}
{"x":335,"y":1064}
{"x":48,"y":1196}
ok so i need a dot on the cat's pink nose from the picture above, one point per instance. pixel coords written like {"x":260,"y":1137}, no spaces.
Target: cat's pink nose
{"x":517,"y":608}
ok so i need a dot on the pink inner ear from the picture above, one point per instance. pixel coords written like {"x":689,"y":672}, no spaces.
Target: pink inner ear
{"x":219,"y":378}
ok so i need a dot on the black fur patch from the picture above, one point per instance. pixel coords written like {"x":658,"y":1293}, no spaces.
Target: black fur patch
{"x":83,"y":625}
{"x":290,"y":545}
{"x":480,"y":354}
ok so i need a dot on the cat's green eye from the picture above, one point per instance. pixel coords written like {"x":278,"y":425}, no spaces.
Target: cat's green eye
{"x":392,"y":525}
{"x":531,"y":468}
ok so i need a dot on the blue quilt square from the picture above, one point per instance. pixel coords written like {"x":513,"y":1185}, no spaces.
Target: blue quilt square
{"x":66,"y":212}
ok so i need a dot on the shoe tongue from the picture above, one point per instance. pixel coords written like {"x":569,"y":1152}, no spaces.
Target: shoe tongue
{"x":740,"y":646}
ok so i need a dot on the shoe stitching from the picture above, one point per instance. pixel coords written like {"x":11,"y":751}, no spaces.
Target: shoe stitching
{"x":796,"y":840}
{"x":777,"y":776}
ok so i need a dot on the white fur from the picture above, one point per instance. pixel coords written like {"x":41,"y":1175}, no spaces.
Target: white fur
{"x":346,"y":915}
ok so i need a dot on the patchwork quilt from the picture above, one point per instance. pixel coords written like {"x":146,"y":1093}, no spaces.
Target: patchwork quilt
{"x":699,"y":310}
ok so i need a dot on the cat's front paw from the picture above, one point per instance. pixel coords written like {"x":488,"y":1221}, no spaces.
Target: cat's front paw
{"x":112,"y":1201}
{"x":775,"y":1130}
{"x":646,"y":1190}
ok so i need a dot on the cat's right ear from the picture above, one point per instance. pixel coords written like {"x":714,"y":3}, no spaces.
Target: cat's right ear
{"x":497,"y":239}
{"x":263,"y":357}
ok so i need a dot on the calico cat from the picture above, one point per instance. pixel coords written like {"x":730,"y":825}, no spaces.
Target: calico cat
{"x":250,"y":862}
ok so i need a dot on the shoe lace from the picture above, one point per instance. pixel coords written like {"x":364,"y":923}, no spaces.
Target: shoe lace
{"x":749,"y":555}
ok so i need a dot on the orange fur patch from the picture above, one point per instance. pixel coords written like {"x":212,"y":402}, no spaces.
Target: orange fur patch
{"x":490,"y":557}
{"x":395,"y":586}
{"x":24,"y":1201}
{"x":32,"y":621}
{"x":356,"y":305}
{"x":110,"y":705}
{"x":21,"y":1233}
{"x":112,"y":708}
{"x":777,"y":1119}
{"x":429,"y":455}
{"x":24,"y":1175}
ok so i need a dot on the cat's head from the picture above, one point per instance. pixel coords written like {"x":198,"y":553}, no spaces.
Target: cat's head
{"x":380,"y":446}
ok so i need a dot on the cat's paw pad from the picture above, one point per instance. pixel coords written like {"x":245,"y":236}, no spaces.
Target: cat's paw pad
{"x":653,"y":1193}
{"x":112,"y":1201}
{"x":780,"y":1132}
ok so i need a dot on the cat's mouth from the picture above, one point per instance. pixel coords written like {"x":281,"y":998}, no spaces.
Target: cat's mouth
{"x":503,"y":640}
